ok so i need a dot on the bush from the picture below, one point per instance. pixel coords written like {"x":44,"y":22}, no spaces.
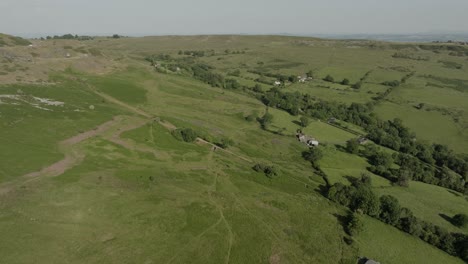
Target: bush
{"x":304,"y":121}
{"x":251,"y":117}
{"x":185,"y":134}
{"x":225,"y":143}
{"x":266,"y":119}
{"x":329,"y":78}
{"x":460,"y":220}
{"x":357,"y":85}
{"x":389,"y":209}
{"x":268,"y":170}
{"x":354,"y":224}
{"x":345,"y":81}
{"x":392,"y":83}
{"x":352,"y":146}
{"x":313,"y":155}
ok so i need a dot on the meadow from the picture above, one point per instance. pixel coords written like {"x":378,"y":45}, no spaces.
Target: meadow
{"x":125,"y":190}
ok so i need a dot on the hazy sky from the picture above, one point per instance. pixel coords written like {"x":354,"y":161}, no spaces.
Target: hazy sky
{"x":147,"y":17}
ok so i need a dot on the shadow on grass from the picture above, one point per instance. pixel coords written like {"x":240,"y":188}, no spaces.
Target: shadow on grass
{"x":297,"y":123}
{"x":454,"y":193}
{"x":446,"y":218}
{"x":342,"y":219}
{"x":351,"y":179}
{"x":322,"y":190}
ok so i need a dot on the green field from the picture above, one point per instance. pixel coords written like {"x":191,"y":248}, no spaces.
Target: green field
{"x":99,"y":178}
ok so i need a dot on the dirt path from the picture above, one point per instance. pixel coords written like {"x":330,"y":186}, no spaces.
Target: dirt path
{"x":214,"y":146}
{"x":165,"y":124}
{"x":73,"y":156}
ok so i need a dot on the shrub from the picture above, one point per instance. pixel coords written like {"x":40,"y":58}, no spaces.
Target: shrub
{"x":389,"y":209}
{"x":304,"y":121}
{"x":185,"y":134}
{"x":268,"y":170}
{"x":329,"y":78}
{"x":460,"y":220}
{"x":225,"y":143}
{"x":354,"y":224}
{"x":352,"y":146}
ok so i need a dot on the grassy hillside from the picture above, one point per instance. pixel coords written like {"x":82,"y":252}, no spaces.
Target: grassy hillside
{"x":93,"y":172}
{"x":7,"y":41}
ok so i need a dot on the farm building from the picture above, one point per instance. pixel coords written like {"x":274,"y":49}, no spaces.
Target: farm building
{"x":309,"y":141}
{"x":362,"y":140}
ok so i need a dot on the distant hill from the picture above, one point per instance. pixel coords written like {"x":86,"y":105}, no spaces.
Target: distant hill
{"x":8,"y":41}
{"x":427,"y":37}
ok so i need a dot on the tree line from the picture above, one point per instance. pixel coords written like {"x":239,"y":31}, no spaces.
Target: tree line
{"x":419,"y":160}
{"x":392,"y":134}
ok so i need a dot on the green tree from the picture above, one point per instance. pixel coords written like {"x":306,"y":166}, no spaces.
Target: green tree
{"x":185,"y":134}
{"x":329,"y":78}
{"x":460,"y":220}
{"x":389,"y":209}
{"x":364,"y":199}
{"x":382,"y":159}
{"x":304,"y":120}
{"x":345,"y":81}
{"x":366,"y":179}
{"x":357,"y":85}
{"x":266,"y":120}
{"x":293,"y":79}
{"x":258,"y":88}
{"x":310,"y":74}
{"x":354,"y":224}
{"x":404,"y":177}
{"x":352,"y":146}
{"x":313,"y":155}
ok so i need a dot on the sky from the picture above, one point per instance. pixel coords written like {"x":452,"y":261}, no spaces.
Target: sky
{"x":188,"y":17}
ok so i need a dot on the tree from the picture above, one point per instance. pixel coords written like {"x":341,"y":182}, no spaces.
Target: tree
{"x":329,"y":78}
{"x":345,"y":81}
{"x":460,"y":220}
{"x":355,"y":224}
{"x":293,"y":78}
{"x":269,"y":171}
{"x":357,"y":85}
{"x":304,"y":121}
{"x":364,"y":199}
{"x":225,"y":143}
{"x":403,"y":178}
{"x":185,"y":134}
{"x":389,"y":209}
{"x":310,"y":74}
{"x":352,"y":146}
{"x":258,"y":88}
{"x":266,"y":120}
{"x":313,"y":155}
{"x":251,"y":117}
{"x":382,"y":159}
{"x":366,"y":179}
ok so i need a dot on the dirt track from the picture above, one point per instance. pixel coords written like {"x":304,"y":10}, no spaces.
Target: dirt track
{"x":74,"y":155}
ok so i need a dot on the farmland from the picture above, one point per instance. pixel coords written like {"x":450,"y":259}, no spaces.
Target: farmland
{"x":100,"y":175}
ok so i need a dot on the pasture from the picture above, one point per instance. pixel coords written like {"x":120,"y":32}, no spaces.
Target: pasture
{"x":100,"y":178}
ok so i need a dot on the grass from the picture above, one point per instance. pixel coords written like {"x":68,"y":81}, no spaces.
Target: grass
{"x":31,"y":135}
{"x":404,"y":248}
{"x":155,"y":199}
{"x":420,"y":198}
